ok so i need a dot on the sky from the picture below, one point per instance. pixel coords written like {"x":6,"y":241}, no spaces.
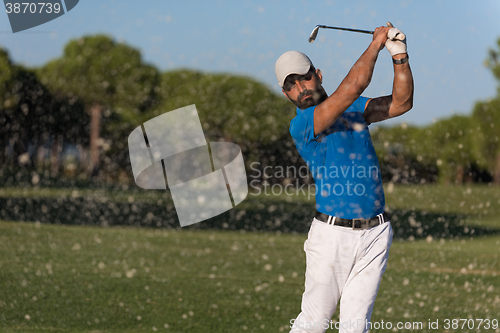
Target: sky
{"x":447,"y":42}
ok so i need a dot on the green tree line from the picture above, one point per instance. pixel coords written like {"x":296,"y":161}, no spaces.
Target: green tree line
{"x":457,"y":149}
{"x":71,"y":118}
{"x":99,"y":90}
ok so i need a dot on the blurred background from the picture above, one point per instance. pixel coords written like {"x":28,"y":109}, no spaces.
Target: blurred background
{"x":73,"y":89}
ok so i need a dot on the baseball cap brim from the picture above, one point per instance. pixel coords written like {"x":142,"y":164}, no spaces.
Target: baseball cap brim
{"x":291,"y":62}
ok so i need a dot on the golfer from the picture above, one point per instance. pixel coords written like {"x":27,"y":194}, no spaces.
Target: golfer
{"x":348,"y":243}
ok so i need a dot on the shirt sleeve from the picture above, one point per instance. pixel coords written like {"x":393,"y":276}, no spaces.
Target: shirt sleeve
{"x":361,"y":103}
{"x":302,"y":130}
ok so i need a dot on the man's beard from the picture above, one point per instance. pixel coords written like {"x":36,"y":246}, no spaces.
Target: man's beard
{"x":317,"y":96}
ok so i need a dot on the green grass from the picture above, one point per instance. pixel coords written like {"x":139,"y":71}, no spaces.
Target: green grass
{"x":114,"y":194}
{"x":474,"y":199}
{"x":122,"y":279}
{"x":480,"y":203}
{"x":436,"y":210}
{"x":479,"y":200}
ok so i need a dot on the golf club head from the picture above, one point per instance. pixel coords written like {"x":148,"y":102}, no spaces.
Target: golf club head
{"x":314,"y":34}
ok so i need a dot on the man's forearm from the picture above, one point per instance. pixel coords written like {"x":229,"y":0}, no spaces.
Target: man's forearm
{"x":360,"y":75}
{"x":402,"y":88}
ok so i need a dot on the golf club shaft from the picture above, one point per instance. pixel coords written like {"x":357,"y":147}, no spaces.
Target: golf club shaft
{"x":346,"y":29}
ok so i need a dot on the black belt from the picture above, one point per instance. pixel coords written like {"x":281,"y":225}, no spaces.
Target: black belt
{"x":354,"y":223}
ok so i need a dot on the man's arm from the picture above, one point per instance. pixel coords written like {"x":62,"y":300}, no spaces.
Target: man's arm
{"x":401,"y":100}
{"x":352,"y":86}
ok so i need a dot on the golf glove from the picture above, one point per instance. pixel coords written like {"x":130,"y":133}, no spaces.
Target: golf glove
{"x":396,"y":41}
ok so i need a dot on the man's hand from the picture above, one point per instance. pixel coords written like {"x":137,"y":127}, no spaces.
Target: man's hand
{"x":401,"y":100}
{"x":380,"y":36}
{"x":396,"y":40}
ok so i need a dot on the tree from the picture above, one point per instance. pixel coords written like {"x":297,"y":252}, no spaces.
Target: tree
{"x":460,"y":146}
{"x":493,"y":62}
{"x":232,"y":108}
{"x":487,"y":136}
{"x":487,"y":115}
{"x":10,"y":140}
{"x":31,"y":117}
{"x":453,"y":142}
{"x":7,"y":80}
{"x":110,"y":78}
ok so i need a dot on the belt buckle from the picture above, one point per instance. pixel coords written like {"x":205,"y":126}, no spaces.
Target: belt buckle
{"x":353,"y":223}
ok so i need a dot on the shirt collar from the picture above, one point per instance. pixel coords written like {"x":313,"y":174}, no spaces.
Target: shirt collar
{"x":299,"y":111}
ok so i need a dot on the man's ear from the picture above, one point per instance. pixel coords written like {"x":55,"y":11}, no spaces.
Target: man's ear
{"x":319,"y":75}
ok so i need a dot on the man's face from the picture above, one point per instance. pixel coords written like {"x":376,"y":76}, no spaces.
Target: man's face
{"x":304,"y":90}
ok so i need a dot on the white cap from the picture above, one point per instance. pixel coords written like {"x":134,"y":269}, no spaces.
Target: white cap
{"x":291,"y":62}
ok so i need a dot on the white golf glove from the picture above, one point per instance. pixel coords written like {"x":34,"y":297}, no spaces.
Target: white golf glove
{"x":396,"y":41}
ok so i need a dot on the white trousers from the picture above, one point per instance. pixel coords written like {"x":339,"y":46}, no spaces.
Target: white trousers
{"x":342,"y":264}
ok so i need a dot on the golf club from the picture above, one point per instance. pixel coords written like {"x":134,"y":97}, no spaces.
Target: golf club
{"x":314,"y":33}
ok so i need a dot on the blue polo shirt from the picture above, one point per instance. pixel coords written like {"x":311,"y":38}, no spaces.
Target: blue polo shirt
{"x":342,"y":161}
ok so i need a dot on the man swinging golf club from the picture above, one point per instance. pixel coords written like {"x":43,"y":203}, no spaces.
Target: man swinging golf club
{"x":348,"y":243}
